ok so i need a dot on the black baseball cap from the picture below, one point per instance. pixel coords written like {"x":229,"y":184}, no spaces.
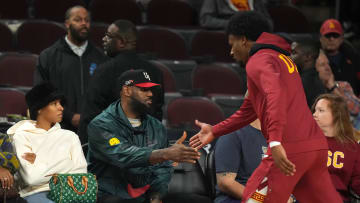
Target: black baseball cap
{"x":138,"y":78}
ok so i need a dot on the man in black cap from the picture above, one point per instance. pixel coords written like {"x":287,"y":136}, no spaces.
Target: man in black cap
{"x":128,"y":149}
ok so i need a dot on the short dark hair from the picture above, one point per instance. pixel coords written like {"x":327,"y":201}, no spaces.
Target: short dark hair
{"x":249,"y":24}
{"x":127,"y":29}
{"x":309,"y":47}
{"x":68,"y":11}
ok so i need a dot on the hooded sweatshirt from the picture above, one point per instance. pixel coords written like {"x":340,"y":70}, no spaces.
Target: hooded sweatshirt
{"x":277,"y":98}
{"x":57,"y":151}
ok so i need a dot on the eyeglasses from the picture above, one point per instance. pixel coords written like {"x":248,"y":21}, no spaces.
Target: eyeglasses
{"x":111,"y":35}
{"x":332,"y":35}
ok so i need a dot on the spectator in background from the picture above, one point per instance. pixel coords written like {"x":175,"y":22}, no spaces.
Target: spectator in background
{"x":128,"y":149}
{"x":215,"y":14}
{"x":120,"y":44}
{"x":237,"y":155}
{"x":304,"y":54}
{"x":344,"y":59}
{"x":9,"y":165}
{"x":341,"y":88}
{"x":331,"y":114}
{"x":42,"y":147}
{"x":69,"y":63}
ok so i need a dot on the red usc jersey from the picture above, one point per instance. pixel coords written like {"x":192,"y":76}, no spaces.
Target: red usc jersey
{"x":277,"y":98}
{"x":344,"y":167}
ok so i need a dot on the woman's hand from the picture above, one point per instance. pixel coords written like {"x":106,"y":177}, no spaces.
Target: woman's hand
{"x":7,"y":180}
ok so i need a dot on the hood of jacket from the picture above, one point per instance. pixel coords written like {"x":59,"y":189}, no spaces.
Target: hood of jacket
{"x":271,"y":41}
{"x":29,"y":126}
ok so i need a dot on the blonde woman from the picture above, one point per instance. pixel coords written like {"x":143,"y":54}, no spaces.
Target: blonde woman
{"x":331,"y":114}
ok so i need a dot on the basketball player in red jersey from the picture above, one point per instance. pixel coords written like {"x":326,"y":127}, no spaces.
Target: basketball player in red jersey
{"x":296,"y":161}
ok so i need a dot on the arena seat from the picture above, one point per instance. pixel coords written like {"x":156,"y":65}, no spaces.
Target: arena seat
{"x":185,"y":110}
{"x":107,"y":11}
{"x":14,"y":9}
{"x":188,"y":183}
{"x":211,"y":44}
{"x":12,"y":101}
{"x":97,"y":33}
{"x":43,"y":34}
{"x":289,"y":19}
{"x":171,"y":13}
{"x":217,"y":79}
{"x":168,"y":77}
{"x":162,"y":43}
{"x":17,"y":69}
{"x":6,"y":38}
{"x":54,"y":10}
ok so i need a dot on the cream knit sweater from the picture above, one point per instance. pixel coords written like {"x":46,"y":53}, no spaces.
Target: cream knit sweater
{"x":57,"y":151}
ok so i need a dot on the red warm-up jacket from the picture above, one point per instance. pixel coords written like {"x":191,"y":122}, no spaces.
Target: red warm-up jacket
{"x":276,"y":96}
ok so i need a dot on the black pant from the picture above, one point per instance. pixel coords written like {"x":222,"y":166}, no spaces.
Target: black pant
{"x":117,"y":199}
{"x":14,"y":200}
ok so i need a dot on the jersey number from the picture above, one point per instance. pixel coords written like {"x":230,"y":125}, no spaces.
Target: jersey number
{"x":333,"y":158}
{"x":289,"y":63}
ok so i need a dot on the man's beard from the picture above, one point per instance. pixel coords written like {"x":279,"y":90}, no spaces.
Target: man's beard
{"x":138,"y":107}
{"x":76,"y":34}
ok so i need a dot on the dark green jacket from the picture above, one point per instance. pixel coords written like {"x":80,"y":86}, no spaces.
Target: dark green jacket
{"x":119,"y":154}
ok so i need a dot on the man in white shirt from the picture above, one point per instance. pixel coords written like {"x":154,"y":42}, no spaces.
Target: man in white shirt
{"x":70,"y":62}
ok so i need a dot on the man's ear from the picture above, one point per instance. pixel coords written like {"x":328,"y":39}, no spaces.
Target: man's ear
{"x":121,"y":42}
{"x":126,"y":91}
{"x":244,"y":41}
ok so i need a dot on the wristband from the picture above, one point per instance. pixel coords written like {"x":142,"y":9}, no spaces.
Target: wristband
{"x":333,"y":87}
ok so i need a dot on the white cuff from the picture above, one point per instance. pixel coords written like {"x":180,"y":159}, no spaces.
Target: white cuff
{"x":274,"y":143}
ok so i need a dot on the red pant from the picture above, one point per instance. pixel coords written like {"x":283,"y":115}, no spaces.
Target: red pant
{"x":310,"y":184}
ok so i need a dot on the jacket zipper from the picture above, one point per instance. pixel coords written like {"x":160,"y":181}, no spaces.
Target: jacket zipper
{"x":81,"y":77}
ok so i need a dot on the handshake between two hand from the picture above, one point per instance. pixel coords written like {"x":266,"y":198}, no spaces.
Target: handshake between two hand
{"x":180,"y":153}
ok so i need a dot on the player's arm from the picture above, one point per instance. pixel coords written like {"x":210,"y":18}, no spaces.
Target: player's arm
{"x":242,"y":117}
{"x":228,"y":185}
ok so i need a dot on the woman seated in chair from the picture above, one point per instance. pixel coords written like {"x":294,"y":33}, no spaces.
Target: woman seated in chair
{"x":43,"y":148}
{"x":331,"y":113}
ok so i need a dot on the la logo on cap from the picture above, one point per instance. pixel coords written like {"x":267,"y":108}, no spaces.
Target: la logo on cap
{"x":146,"y":75}
{"x":331,"y":25}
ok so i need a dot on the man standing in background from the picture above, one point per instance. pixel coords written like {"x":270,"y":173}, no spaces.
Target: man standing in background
{"x":69,"y":63}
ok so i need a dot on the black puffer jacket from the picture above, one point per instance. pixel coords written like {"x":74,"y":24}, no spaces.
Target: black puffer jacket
{"x":69,"y":73}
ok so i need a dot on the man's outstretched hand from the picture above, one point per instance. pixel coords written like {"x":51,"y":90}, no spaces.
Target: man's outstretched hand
{"x":180,"y":141}
{"x":202,"y":138}
{"x":281,"y":161}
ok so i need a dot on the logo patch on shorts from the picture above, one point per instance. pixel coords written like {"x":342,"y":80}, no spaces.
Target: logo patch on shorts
{"x":114,"y":141}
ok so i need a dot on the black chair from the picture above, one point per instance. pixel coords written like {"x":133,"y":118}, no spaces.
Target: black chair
{"x":188,"y":184}
{"x":6,"y":38}
{"x":43,"y":34}
{"x":107,"y":11}
{"x":162,"y":43}
{"x":171,"y":13}
{"x":14,"y":9}
{"x":289,"y":19}
{"x":54,"y":10}
{"x":12,"y":101}
{"x":17,"y":69}
{"x":210,"y":172}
